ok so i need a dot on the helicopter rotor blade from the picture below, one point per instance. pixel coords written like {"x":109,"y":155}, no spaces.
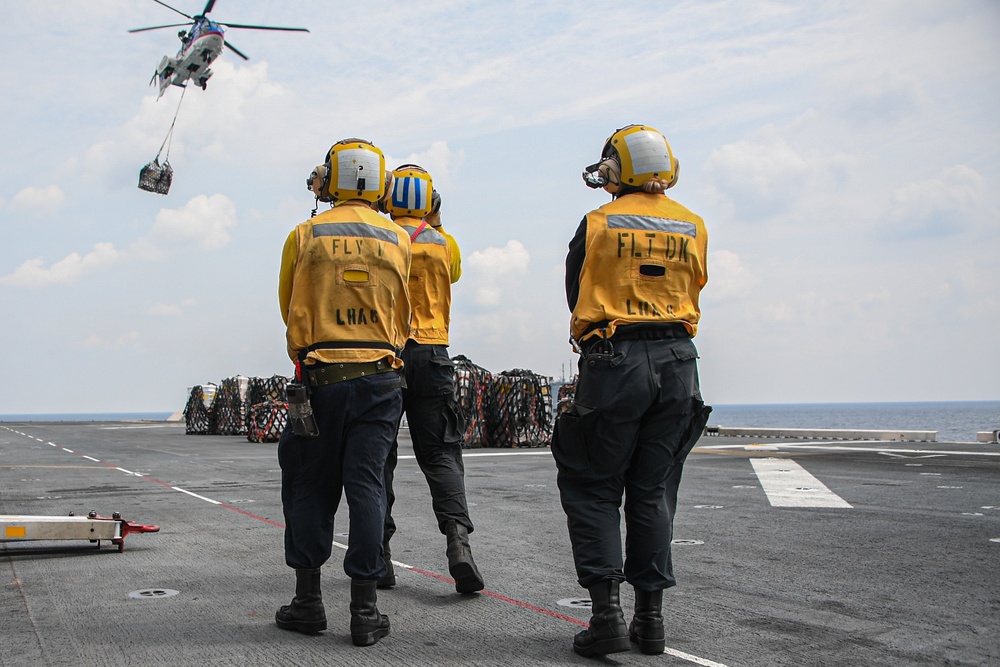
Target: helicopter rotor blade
{"x":260,"y":27}
{"x":208,"y":7}
{"x":235,"y":50}
{"x":173,"y":9}
{"x":157,"y":27}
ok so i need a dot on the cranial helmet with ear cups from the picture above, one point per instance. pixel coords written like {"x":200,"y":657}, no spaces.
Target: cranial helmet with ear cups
{"x":632,"y":156}
{"x":412,"y":192}
{"x":354,"y":169}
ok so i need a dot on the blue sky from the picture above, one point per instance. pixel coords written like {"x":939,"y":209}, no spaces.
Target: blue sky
{"x":845,"y":157}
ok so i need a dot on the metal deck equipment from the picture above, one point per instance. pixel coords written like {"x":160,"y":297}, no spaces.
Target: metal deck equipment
{"x":93,"y":527}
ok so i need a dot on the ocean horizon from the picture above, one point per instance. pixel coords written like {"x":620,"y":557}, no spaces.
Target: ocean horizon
{"x":85,"y":416}
{"x":954,"y":421}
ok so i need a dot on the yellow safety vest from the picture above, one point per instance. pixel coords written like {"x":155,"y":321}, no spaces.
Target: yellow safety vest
{"x":432,"y":272}
{"x":342,"y":287}
{"x":645,"y":261}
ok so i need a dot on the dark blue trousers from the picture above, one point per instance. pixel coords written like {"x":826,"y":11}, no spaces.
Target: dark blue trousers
{"x":636,"y":414}
{"x":357,"y":422}
{"x":436,"y":430}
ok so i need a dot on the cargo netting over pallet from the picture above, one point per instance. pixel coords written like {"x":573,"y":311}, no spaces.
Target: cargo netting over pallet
{"x":197,"y":411}
{"x":473,"y":385}
{"x":268,"y":412}
{"x":522,"y":416}
{"x":229,"y":412}
{"x":509,"y":409}
{"x":564,"y":399}
{"x":255,"y":407}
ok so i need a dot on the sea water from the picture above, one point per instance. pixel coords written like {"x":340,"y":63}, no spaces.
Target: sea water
{"x":87,"y":417}
{"x":954,"y":421}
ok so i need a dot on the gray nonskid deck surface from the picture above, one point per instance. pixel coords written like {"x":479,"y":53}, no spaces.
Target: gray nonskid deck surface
{"x":907,"y":575}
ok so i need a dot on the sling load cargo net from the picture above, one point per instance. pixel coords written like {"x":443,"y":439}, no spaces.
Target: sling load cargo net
{"x":509,"y":409}
{"x":198,"y":410}
{"x":474,"y":387}
{"x":564,"y":399}
{"x":268,"y":411}
{"x":251,"y":406}
{"x":156,"y":177}
{"x":229,"y":411}
{"x":523,"y":412}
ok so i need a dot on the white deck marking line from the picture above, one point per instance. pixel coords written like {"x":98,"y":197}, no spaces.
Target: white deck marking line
{"x":841,"y":448}
{"x":91,"y":458}
{"x":787,"y":484}
{"x":68,"y":450}
{"x":177,"y":488}
{"x":692,"y":658}
{"x":538,"y":452}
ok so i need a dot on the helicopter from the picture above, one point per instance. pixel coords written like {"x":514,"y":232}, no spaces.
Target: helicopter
{"x":201,"y":44}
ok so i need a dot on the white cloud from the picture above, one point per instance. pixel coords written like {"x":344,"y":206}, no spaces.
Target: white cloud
{"x":438,"y":159}
{"x":880,"y":98}
{"x":762,"y":170}
{"x":204,"y":222}
{"x":492,"y":269}
{"x":728,"y":278}
{"x":38,"y":201}
{"x":130,"y":340}
{"x":171,"y":309}
{"x":511,"y":258}
{"x":949,"y":204}
{"x":93,"y":340}
{"x":71,"y":268}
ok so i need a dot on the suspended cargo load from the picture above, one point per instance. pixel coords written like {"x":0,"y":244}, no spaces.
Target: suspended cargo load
{"x":155,"y":177}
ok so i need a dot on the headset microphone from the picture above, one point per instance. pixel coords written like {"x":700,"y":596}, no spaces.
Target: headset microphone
{"x":593,"y":177}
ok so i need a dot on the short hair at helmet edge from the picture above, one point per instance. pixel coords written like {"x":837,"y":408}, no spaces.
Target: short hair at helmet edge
{"x":617,"y":152}
{"x":330,"y":186}
{"x":411,"y":194}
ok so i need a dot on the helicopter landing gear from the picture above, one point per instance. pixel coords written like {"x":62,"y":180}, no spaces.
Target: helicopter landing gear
{"x":203,"y":82}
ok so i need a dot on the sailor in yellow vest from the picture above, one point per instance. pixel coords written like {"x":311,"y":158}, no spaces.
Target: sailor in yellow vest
{"x":634,"y":271}
{"x":342,"y":292}
{"x":429,"y":397}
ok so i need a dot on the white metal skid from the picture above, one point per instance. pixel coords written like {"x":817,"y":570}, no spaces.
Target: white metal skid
{"x":93,"y":527}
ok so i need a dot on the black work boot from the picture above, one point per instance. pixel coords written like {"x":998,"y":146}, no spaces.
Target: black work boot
{"x":460,"y":564}
{"x":646,"y":628}
{"x":388,"y":580}
{"x":367,"y":624}
{"x":607,"y":632}
{"x":305,"y":613}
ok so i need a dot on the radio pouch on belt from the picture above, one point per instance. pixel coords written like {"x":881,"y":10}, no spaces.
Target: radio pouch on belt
{"x":300,"y":414}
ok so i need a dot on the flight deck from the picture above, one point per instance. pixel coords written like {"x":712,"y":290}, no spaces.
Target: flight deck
{"x":786,"y":551}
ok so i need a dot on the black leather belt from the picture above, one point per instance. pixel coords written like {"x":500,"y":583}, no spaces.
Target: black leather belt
{"x":333,"y":373}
